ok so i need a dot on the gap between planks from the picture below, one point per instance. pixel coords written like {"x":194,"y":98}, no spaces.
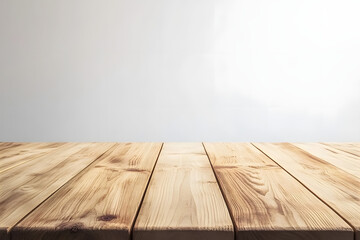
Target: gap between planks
{"x":342,"y":188}
{"x":353,"y":228}
{"x":83,"y":170}
{"x":265,"y":217}
{"x":143,"y":196}
{"x":184,"y":199}
{"x":22,"y":194}
{"x":104,"y":211}
{"x":21,"y":153}
{"x":347,"y":162}
{"x":212,"y":167}
{"x":222,"y":191}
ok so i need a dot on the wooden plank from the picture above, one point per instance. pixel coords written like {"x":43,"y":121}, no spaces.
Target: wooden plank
{"x":183,"y":200}
{"x":8,"y":149}
{"x":24,"y":187}
{"x":266,"y":202}
{"x":351,"y":148}
{"x":5,"y":145}
{"x":347,"y":162}
{"x":340,"y":190}
{"x":12,"y":157}
{"x":99,"y":203}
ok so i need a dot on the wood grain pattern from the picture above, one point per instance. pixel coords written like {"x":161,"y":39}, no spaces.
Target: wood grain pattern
{"x":5,"y":145}
{"x":183,"y":200}
{"x":351,"y":148}
{"x":334,"y":186}
{"x":10,"y":149}
{"x":14,"y":156}
{"x":94,"y":190}
{"x":24,"y":187}
{"x":343,"y":160}
{"x":99,"y":203}
{"x":266,"y":202}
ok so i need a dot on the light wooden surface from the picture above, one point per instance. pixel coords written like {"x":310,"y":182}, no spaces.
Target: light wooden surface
{"x":12,"y":149}
{"x":14,"y":156}
{"x":5,"y":145}
{"x":337,"y":188}
{"x":266,"y":202}
{"x":120,"y":191}
{"x":99,"y":203}
{"x":24,"y":187}
{"x":352,"y":148}
{"x":343,"y":160}
{"x":183,"y":200}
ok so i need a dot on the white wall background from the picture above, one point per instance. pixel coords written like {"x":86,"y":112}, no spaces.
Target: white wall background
{"x":179,"y":70}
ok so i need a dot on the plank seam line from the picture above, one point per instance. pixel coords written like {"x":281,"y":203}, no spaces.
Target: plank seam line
{"x":323,"y":201}
{"x":28,"y":160}
{"x":143,"y":196}
{"x":324,"y":160}
{"x":83,"y":170}
{"x":222,"y":192}
{"x":328,"y":145}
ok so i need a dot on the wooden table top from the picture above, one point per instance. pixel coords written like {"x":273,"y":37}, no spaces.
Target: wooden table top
{"x":158,"y":191}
